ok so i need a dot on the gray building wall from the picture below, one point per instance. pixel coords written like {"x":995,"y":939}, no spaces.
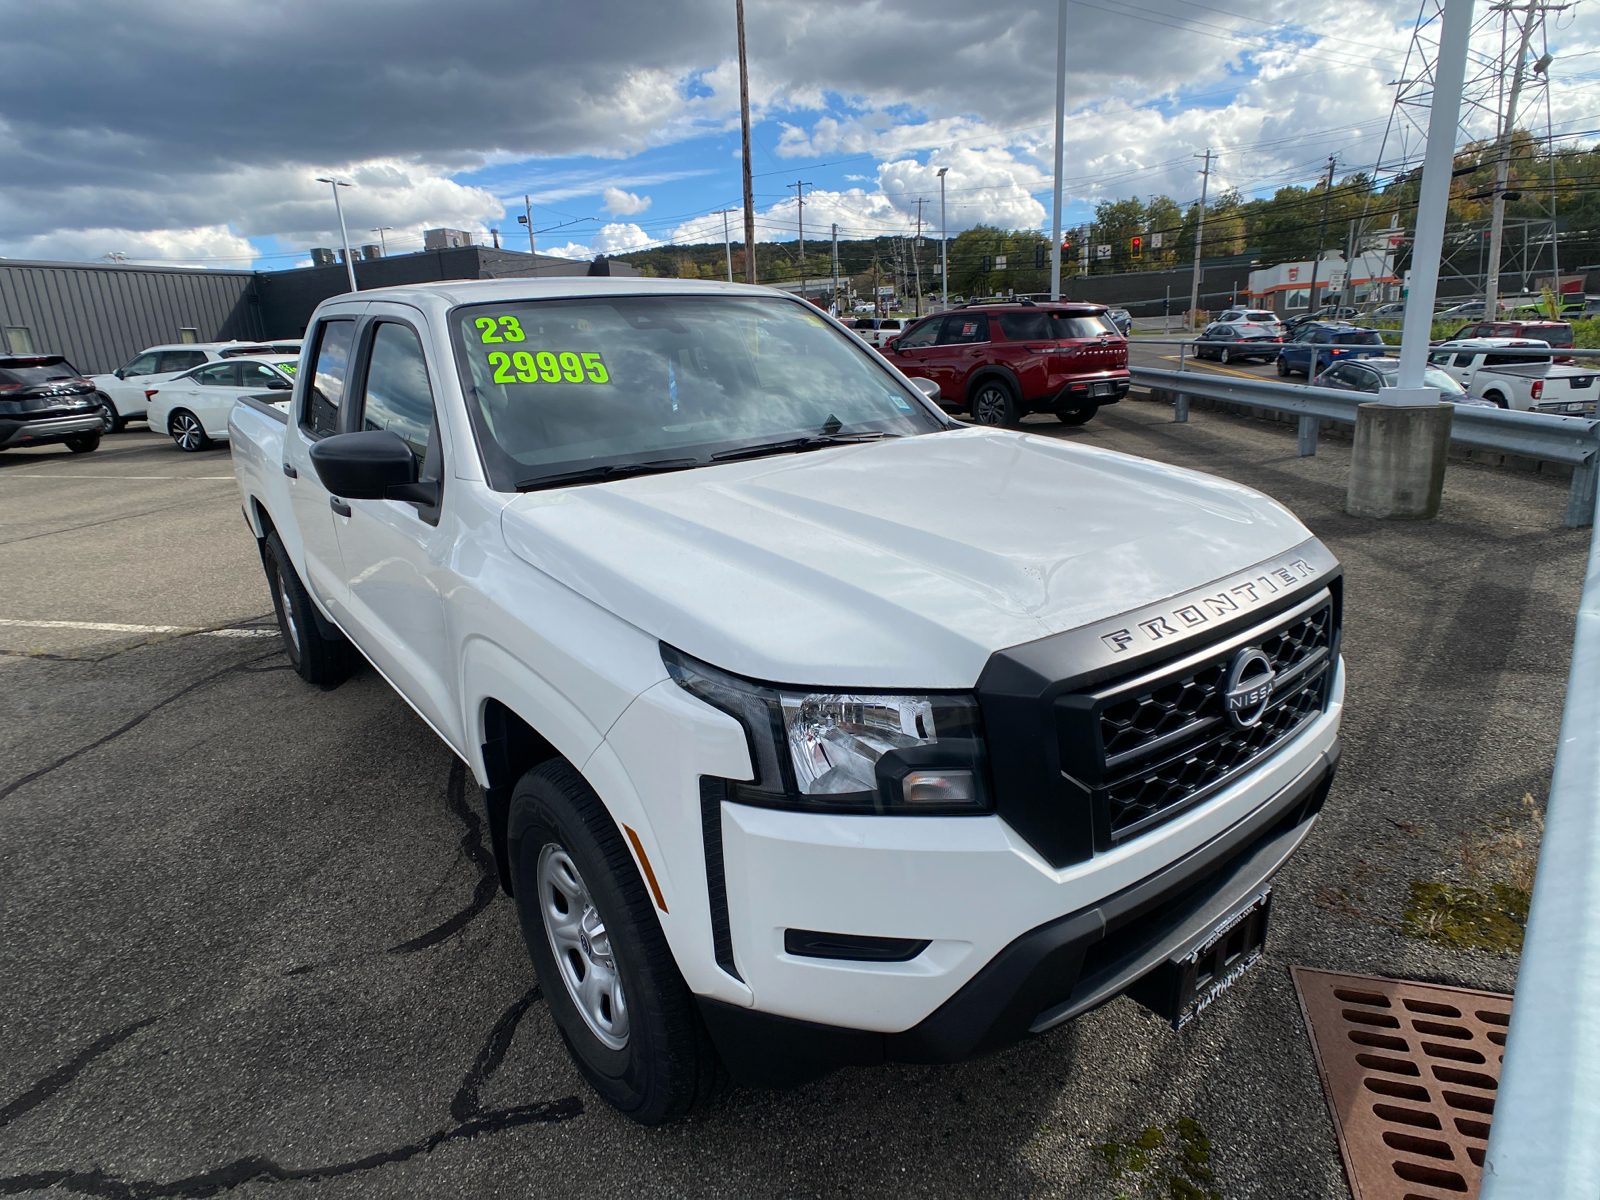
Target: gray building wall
{"x":101,"y":314}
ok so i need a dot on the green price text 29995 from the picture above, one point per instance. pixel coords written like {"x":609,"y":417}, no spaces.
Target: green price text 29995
{"x":548,"y":366}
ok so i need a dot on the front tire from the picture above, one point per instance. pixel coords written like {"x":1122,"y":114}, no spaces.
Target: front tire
{"x":994,"y":404}
{"x":118,"y":421}
{"x":187,"y":432}
{"x":622,"y":1007}
{"x":1283,"y":368}
{"x":83,"y":443}
{"x":1225,"y":357}
{"x":318,"y":660}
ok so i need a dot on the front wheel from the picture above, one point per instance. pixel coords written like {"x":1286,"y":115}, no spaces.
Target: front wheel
{"x":317,"y":659}
{"x":1283,"y":367}
{"x":993,"y":404}
{"x":83,"y":443}
{"x":187,"y":432}
{"x":1225,"y":357}
{"x":622,"y":1007}
{"x":118,"y":421}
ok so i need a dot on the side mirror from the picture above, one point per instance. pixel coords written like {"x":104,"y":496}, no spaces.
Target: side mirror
{"x":118,"y":373}
{"x":927,"y":387}
{"x":279,"y":385}
{"x":372,"y":465}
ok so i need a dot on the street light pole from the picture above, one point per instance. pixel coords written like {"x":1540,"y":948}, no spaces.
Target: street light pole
{"x":383,"y":242}
{"x":349,"y":261}
{"x":1061,"y":124}
{"x":727,"y":239}
{"x":944,"y":257}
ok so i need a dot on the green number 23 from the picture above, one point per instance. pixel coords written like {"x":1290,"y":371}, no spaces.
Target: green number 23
{"x":499,"y":329}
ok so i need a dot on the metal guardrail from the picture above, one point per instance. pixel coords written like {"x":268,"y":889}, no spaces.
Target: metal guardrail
{"x":1571,"y":440}
{"x":1544,"y":1140}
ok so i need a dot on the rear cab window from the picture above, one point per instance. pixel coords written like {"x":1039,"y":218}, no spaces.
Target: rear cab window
{"x":325,"y":390}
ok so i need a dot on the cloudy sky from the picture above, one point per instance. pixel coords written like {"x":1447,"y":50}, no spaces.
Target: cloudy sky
{"x":194,"y":133}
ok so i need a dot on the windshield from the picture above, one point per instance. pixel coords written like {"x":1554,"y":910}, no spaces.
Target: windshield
{"x":562,"y":385}
{"x":1431,"y":377}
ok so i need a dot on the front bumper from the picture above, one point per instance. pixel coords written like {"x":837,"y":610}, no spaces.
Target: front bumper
{"x":50,"y":429}
{"x":1053,"y":972}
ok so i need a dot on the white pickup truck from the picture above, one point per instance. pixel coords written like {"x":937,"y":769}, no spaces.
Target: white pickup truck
{"x":814,"y":727}
{"x":1508,"y":372}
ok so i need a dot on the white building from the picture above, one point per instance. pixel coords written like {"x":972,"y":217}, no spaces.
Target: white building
{"x":1286,"y":288}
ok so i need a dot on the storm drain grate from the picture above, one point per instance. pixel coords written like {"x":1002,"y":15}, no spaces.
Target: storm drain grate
{"x":1410,"y":1072}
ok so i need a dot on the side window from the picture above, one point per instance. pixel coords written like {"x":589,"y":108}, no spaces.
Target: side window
{"x":962,"y":329}
{"x":398,"y":397}
{"x":256,"y":375}
{"x":1464,"y":359}
{"x":920,"y":335}
{"x":143,"y":364}
{"x":326,"y":391}
{"x":221,"y":375}
{"x":1025,"y":326}
{"x":180,"y":360}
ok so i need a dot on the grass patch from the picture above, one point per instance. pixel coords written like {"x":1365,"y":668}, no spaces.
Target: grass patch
{"x":1483,"y":903}
{"x":1170,"y":1163}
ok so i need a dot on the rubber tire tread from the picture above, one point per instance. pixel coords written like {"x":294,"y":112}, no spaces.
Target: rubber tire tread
{"x":1283,"y":369}
{"x":1014,"y":412}
{"x":322,"y":662}
{"x":556,"y":797}
{"x":83,"y":443}
{"x":1077,"y":416}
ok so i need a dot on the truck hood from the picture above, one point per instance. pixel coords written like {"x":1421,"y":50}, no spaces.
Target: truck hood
{"x":901,"y":563}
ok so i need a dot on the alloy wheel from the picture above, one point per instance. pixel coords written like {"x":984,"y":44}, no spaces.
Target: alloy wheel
{"x":187,"y":432}
{"x":582,"y":947}
{"x":989,"y":406}
{"x":289,"y":625}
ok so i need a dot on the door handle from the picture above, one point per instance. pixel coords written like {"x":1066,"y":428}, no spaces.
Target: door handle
{"x":290,"y":471}
{"x":338,"y":506}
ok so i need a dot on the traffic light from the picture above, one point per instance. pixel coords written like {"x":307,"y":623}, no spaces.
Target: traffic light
{"x":986,"y":264}
{"x":1038,"y":256}
{"x":1135,"y":247}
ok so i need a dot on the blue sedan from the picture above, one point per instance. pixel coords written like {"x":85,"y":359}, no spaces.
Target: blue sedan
{"x":1302,"y":355}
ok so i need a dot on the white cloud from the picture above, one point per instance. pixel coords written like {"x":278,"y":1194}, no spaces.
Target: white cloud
{"x":209,"y":246}
{"x":570,"y":250}
{"x":617,"y":238}
{"x":622,"y":204}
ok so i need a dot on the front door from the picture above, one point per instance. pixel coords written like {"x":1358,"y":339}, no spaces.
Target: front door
{"x":396,"y":557}
{"x":963,"y":345}
{"x":317,"y":412}
{"x":912,"y":352}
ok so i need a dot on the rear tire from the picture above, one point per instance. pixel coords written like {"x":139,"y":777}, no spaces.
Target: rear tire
{"x":83,"y":443}
{"x":621,"y":1005}
{"x":1077,"y":416}
{"x":995,"y":404}
{"x":1497,"y":399}
{"x":319,"y":660}
{"x":187,"y":432}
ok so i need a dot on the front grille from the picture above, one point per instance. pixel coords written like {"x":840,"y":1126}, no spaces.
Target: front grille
{"x":1157,"y":742}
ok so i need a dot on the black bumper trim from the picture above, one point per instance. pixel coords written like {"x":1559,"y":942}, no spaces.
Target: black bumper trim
{"x":1052,"y":973}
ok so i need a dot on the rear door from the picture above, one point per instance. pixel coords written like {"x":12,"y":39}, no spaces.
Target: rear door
{"x":213,"y":394}
{"x":1026,"y":345}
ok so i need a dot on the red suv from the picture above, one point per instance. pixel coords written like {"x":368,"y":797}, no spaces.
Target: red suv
{"x":1557,"y":333}
{"x":1003,"y":361}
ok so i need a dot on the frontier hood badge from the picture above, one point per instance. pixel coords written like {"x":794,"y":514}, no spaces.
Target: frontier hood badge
{"x":1250,"y":679}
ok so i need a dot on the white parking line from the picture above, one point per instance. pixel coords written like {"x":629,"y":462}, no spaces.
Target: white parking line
{"x":117,"y":627}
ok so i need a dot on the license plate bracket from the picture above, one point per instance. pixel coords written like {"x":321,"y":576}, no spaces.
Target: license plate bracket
{"x":1184,"y":986}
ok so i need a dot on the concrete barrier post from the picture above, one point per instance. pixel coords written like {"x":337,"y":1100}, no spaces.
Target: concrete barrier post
{"x":1397,"y":463}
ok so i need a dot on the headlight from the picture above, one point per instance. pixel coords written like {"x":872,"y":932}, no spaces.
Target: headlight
{"x":872,"y":752}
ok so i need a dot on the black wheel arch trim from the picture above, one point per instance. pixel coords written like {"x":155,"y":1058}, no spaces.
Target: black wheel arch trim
{"x":995,"y":371}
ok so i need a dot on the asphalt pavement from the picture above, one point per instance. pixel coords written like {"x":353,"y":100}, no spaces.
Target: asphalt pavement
{"x":252,"y":946}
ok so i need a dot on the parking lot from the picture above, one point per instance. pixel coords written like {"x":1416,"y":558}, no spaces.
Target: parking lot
{"x":253,"y":945}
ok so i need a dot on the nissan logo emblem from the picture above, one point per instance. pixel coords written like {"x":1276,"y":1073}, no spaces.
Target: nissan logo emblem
{"x":1249,"y":691}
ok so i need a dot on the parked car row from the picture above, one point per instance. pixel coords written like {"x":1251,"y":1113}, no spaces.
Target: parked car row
{"x":126,"y":390}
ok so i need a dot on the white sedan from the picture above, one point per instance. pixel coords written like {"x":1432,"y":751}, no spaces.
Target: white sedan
{"x":194,"y":407}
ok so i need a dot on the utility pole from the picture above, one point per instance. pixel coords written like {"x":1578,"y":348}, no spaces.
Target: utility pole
{"x":944,"y":257}
{"x":916,"y":262}
{"x":383,"y":243}
{"x":836,"y":303}
{"x":1322,"y":236}
{"x":875,"y":311}
{"x":349,"y":262}
{"x":527,"y":219}
{"x":1502,"y":162}
{"x":800,"y":203}
{"x":744,"y":127}
{"x":1061,"y":123}
{"x":1199,"y":230}
{"x":727,"y":238}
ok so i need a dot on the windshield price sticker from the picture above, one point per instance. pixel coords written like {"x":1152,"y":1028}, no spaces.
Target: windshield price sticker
{"x":499,"y":329}
{"x":546,"y":366}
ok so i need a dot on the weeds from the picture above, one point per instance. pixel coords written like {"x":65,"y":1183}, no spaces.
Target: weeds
{"x":1153,"y":1165}
{"x":1484,"y":905}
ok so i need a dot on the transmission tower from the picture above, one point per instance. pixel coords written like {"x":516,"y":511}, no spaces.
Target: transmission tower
{"x":1500,"y":57}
